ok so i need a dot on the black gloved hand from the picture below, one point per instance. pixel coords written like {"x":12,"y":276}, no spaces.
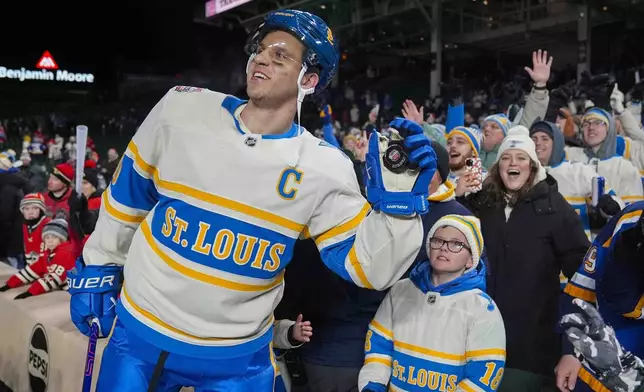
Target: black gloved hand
{"x":511,"y":95}
{"x":26,"y":294}
{"x":4,"y":288}
{"x":561,"y":95}
{"x":608,"y":205}
{"x":453,"y":92}
{"x":637,"y":93}
{"x":558,"y":99}
{"x":77,"y":203}
{"x":601,"y":90}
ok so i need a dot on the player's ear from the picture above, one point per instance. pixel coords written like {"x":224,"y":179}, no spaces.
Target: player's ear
{"x":310,"y":80}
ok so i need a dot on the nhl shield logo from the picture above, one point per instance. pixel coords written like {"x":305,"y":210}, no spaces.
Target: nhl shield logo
{"x":431,"y":299}
{"x":250,"y":141}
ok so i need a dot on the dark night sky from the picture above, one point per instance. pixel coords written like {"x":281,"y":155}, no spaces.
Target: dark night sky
{"x":105,"y":36}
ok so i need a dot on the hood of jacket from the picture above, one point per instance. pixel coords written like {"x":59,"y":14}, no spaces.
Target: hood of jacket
{"x":558,"y":154}
{"x":472,"y":279}
{"x":608,"y":148}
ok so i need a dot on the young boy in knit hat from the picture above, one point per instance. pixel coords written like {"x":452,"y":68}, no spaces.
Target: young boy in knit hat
{"x":33,"y":210}
{"x":438,"y":330}
{"x":50,"y":271}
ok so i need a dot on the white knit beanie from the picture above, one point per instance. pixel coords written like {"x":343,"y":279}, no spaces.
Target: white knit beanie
{"x":519,"y":139}
{"x":470,"y":226}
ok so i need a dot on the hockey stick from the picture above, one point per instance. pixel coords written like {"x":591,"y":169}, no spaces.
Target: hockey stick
{"x":91,"y":354}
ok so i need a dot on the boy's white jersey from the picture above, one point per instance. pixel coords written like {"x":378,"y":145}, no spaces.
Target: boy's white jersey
{"x":422,"y":341}
{"x":204,"y":216}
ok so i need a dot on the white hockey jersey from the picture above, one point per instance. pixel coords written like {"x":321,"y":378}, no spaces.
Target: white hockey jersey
{"x":204,"y":216}
{"x":445,"y":338}
{"x":575,"y":183}
{"x":623,"y":177}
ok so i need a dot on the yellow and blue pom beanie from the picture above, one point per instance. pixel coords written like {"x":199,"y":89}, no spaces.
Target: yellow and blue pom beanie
{"x":470,"y":226}
{"x":502,"y":120}
{"x":472,"y":135}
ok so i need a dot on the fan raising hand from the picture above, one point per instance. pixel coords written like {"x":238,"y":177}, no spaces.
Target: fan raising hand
{"x":540,"y":71}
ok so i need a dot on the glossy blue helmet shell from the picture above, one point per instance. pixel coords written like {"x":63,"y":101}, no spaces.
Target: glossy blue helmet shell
{"x":322,"y":50}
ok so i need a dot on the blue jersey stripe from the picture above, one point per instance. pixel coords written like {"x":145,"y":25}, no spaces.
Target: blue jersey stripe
{"x":219,"y":241}
{"x":131,"y":189}
{"x":412,"y":373}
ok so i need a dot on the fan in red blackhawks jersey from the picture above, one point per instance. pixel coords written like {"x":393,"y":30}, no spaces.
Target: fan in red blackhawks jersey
{"x":33,"y":210}
{"x":50,"y":271}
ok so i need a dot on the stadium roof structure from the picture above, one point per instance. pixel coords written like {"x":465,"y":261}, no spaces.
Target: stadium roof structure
{"x":404,"y":27}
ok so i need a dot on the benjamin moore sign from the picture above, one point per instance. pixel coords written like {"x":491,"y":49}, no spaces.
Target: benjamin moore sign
{"x":47,"y":70}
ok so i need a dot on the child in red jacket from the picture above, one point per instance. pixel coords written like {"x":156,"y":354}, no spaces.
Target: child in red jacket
{"x":50,"y":271}
{"x":33,"y":210}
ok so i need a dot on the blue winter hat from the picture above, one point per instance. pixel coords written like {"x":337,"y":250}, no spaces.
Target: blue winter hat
{"x":502,"y":120}
{"x":472,"y":135}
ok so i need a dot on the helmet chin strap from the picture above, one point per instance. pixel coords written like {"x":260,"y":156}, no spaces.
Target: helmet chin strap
{"x":301,"y":93}
{"x":250,"y":60}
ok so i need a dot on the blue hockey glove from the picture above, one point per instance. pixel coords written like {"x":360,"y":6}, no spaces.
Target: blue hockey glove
{"x":94,"y":290}
{"x":398,"y":171}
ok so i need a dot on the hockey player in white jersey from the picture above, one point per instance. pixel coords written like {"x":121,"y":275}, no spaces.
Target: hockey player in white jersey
{"x":200,"y":232}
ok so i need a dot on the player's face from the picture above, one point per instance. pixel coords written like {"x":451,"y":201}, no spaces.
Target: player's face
{"x":445,"y":261}
{"x":273,"y":73}
{"x":459,"y":150}
{"x":544,"y":146}
{"x":30,"y":212}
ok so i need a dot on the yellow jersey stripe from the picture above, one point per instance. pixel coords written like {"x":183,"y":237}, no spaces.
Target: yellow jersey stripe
{"x":445,"y":195}
{"x":160,"y":322}
{"x":200,"y":276}
{"x":426,"y":351}
{"x":382,"y":330}
{"x":578,"y":292}
{"x":118,"y":214}
{"x":465,"y":387}
{"x":382,"y":361}
{"x":485,"y":353}
{"x":213,"y":199}
{"x":353,"y":259}
{"x":346,"y":226}
{"x":591,"y":381}
{"x":637,"y":312}
{"x":575,"y":199}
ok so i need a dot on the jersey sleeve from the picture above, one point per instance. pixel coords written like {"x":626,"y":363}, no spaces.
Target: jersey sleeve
{"x":280,"y":334}
{"x":29,"y":274}
{"x":368,"y":248}
{"x":379,"y":348}
{"x":56,"y":275}
{"x":631,"y":183}
{"x":131,"y":194}
{"x":485,"y":351}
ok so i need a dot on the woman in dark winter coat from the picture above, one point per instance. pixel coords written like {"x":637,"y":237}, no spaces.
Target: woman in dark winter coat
{"x":531,"y":234}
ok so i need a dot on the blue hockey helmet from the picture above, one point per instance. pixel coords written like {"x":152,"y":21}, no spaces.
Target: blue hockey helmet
{"x":321,"y":48}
